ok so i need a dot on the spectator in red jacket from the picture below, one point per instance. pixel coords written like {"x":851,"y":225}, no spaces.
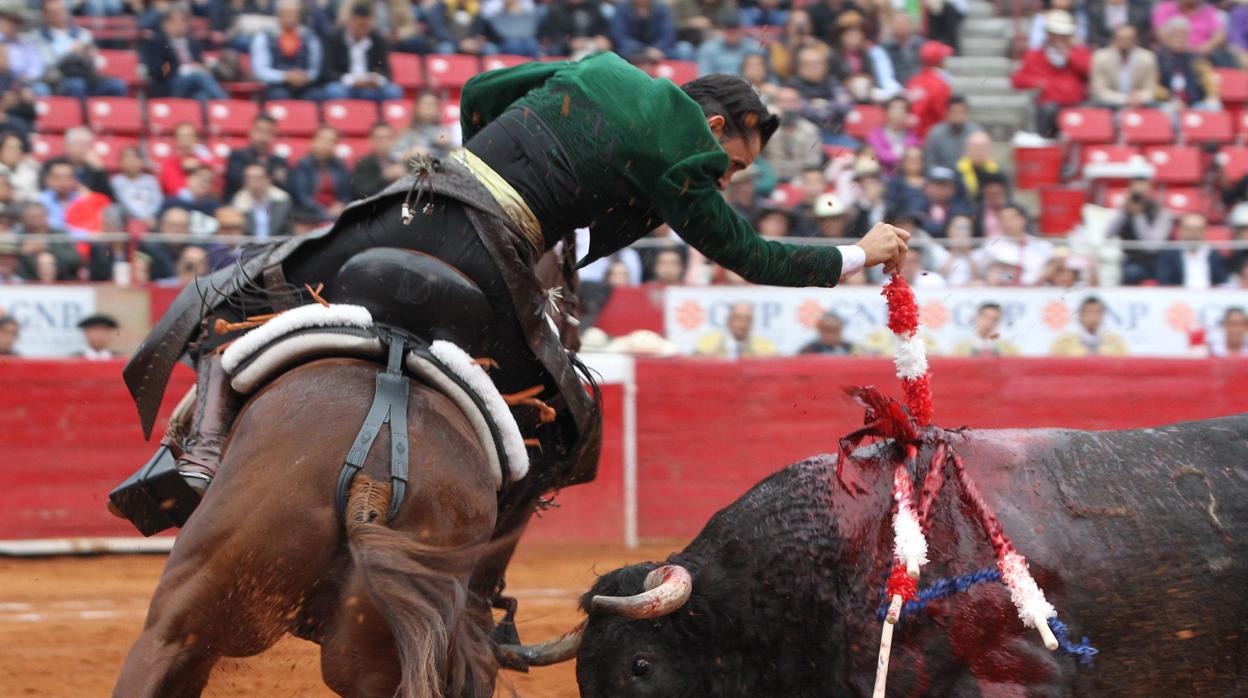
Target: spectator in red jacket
{"x":1059,"y":70}
{"x":929,"y":91}
{"x":189,"y":154}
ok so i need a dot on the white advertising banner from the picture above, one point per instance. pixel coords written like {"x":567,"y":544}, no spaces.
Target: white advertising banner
{"x":1151,"y":321}
{"x":47,"y":317}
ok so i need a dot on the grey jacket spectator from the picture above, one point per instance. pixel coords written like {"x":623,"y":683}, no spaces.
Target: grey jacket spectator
{"x":797,"y":144}
{"x":139,"y":195}
{"x":903,"y":48}
{"x":946,"y":141}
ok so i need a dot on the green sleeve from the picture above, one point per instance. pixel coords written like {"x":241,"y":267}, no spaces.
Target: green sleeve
{"x":687,"y":199}
{"x":487,"y":95}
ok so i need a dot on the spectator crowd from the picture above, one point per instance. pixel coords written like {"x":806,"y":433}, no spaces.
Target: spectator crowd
{"x":872,"y":128}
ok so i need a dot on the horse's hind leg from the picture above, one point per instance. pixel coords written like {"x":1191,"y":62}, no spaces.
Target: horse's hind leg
{"x":358,"y":655}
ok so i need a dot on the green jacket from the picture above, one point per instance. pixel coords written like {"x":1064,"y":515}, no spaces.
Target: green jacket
{"x":644,"y":155}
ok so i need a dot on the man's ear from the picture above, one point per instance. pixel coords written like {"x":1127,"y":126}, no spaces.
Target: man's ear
{"x":716,"y":122}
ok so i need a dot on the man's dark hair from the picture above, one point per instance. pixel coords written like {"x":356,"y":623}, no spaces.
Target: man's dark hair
{"x":1091,"y":300}
{"x":362,"y":9}
{"x":266,"y":119}
{"x":1231,"y":311}
{"x":736,"y":100}
{"x":7,"y":320}
{"x":989,"y":306}
{"x":956,"y":99}
{"x":1018,"y":208}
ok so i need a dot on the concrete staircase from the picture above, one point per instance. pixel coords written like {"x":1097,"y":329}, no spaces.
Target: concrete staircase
{"x":982,"y":72}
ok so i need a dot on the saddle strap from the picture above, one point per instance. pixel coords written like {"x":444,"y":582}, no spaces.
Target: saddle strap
{"x":389,"y":406}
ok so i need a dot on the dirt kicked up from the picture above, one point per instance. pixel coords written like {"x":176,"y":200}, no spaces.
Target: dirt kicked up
{"x":67,"y":623}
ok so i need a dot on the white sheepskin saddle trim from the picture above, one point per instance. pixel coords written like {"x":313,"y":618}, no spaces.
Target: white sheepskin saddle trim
{"x":458,"y":361}
{"x":301,"y":318}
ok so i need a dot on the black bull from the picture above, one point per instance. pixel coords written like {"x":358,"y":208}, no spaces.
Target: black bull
{"x":1139,"y":539}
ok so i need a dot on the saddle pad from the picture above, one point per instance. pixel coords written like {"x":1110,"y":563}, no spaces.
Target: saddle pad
{"x":304,"y":317}
{"x":263,"y":354}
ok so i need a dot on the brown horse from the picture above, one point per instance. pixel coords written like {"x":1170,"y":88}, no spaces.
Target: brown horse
{"x":266,"y":552}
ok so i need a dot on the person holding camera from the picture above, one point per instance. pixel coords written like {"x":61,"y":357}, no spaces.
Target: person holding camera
{"x":1141,"y":220}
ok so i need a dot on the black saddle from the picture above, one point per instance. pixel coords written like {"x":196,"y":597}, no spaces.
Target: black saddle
{"x":420,"y":294}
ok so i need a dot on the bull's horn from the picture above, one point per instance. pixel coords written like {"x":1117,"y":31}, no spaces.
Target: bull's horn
{"x":667,"y":589}
{"x":560,"y":649}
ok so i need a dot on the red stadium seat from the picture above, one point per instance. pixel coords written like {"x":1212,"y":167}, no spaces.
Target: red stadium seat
{"x":293,"y":149}
{"x":446,"y":71}
{"x":397,"y":113}
{"x":1116,"y":197}
{"x":231,"y":117}
{"x":164,"y":115}
{"x":111,"y":29}
{"x":1146,"y":127}
{"x":352,"y":117}
{"x":118,"y":64}
{"x":1185,"y":200}
{"x":222,"y":147}
{"x":57,"y":114}
{"x":863,"y":119}
{"x":294,"y":117}
{"x":1241,"y":125}
{"x":159,"y":149}
{"x":679,"y":72}
{"x":553,"y":59}
{"x":1102,"y":154}
{"x":450,"y":113}
{"x":109,"y":150}
{"x":503,"y":60}
{"x":47,"y":145}
{"x":1232,"y":85}
{"x":407,"y":70}
{"x":351,"y":149}
{"x":115,"y":115}
{"x":1175,"y":165}
{"x":1217,"y":233}
{"x":1234,"y":163}
{"x":787,"y":195}
{"x":1087,"y":125}
{"x":1200,"y":126}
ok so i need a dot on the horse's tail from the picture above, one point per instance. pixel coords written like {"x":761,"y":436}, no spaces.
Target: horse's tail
{"x":416,"y":587}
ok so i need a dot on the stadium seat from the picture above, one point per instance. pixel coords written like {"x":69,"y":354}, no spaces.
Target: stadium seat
{"x":109,"y":150}
{"x":1087,"y":125}
{"x":159,"y":149}
{"x":450,"y":113}
{"x":397,"y":113}
{"x":1061,"y":209}
{"x":553,"y":59}
{"x":231,"y":117}
{"x":1232,"y":85}
{"x":243,"y":89}
{"x":1241,"y":125}
{"x":679,"y":72}
{"x":47,"y":145}
{"x":351,"y":150}
{"x":1146,"y":127}
{"x":862,"y":120}
{"x":1116,"y":197}
{"x":1234,"y":163}
{"x":503,"y":60}
{"x":446,"y":71}
{"x":1216,"y":234}
{"x":115,"y":115}
{"x":294,"y":117}
{"x":164,"y":115}
{"x":407,"y":70}
{"x":1102,"y":154}
{"x":352,"y":117}
{"x":293,"y":149}
{"x":1201,"y":126}
{"x":118,"y":64}
{"x":1185,"y":200}
{"x":57,"y":114}
{"x":786,"y":195}
{"x":106,"y":30}
{"x":1175,"y":164}
{"x":222,"y":147}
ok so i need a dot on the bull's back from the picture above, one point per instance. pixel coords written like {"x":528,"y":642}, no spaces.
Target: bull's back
{"x":1140,"y":539}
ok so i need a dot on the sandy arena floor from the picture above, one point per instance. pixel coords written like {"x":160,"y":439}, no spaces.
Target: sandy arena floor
{"x":66,"y":624}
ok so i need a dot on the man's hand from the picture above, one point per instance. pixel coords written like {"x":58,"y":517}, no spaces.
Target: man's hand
{"x":885,"y":244}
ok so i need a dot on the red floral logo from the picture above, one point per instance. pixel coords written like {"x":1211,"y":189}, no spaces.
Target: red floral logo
{"x":1181,"y":317}
{"x":1055,"y":315}
{"x":690,"y":315}
{"x":934,"y":315}
{"x":808,"y":313}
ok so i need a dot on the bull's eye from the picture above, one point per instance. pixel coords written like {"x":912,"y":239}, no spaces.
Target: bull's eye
{"x":641,"y":666}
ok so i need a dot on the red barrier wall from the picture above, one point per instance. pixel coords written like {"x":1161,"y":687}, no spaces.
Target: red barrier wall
{"x":707,"y":430}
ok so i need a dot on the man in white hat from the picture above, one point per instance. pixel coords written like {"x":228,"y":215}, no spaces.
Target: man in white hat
{"x":1059,"y":70}
{"x":831,"y":215}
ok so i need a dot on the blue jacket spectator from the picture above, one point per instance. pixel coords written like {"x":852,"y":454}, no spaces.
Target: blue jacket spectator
{"x":175,"y":63}
{"x":320,"y":182}
{"x":511,"y":25}
{"x":68,"y":53}
{"x":1197,"y":266}
{"x":574,"y":26}
{"x":457,"y":27}
{"x":290,"y":62}
{"x":642,"y":27}
{"x":726,"y":51}
{"x":357,"y":60}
